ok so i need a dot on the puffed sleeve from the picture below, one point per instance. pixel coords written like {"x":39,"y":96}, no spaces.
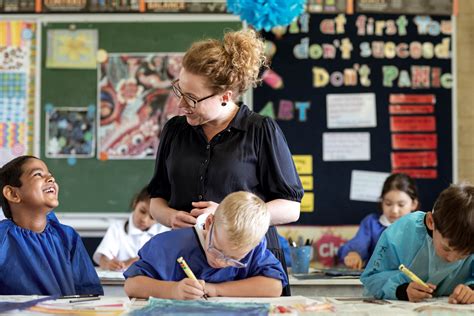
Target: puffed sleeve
{"x":159,"y":185}
{"x":86,"y":280}
{"x":277,"y":172}
{"x":264,"y":263}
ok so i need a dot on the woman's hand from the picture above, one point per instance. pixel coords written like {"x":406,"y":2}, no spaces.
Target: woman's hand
{"x":417,"y":292}
{"x":181,"y":219}
{"x":353,"y":260}
{"x":203,"y":208}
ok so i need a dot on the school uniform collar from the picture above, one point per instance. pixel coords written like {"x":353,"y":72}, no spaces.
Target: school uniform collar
{"x":133,"y":230}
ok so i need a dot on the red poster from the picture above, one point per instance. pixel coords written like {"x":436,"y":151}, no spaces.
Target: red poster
{"x":411,"y":109}
{"x":414,"y":159}
{"x":413,"y":98}
{"x":419,"y":173}
{"x":413,"y":123}
{"x":414,"y":141}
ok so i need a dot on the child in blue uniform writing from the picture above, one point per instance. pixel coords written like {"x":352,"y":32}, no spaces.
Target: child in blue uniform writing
{"x":38,"y":255}
{"x":399,"y":197}
{"x":119,"y":247}
{"x":228,"y":256}
{"x":437,"y":246}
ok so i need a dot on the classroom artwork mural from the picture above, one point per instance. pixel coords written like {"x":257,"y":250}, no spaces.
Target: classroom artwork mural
{"x":364,"y":95}
{"x":76,"y":49}
{"x":70,"y":132}
{"x":135,"y":101}
{"x":17,"y":88}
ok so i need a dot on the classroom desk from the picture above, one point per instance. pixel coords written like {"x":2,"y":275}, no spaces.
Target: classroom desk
{"x":353,"y":307}
{"x":309,"y":288}
{"x":326,"y":286}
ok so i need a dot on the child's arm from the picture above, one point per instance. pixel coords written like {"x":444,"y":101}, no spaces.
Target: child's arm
{"x":111,"y":264}
{"x":381,"y":277}
{"x":144,"y":287}
{"x":359,"y":245}
{"x":258,"y":286}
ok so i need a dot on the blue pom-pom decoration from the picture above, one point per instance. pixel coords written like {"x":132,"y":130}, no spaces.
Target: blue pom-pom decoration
{"x":266,"y":14}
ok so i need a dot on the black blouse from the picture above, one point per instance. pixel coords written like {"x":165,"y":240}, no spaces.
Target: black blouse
{"x":251,"y":154}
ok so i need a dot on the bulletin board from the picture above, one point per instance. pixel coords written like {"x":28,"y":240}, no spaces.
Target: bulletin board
{"x":358,"y":96}
{"x":88,"y":184}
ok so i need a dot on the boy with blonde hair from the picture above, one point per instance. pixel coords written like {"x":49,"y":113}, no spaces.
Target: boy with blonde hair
{"x":228,"y":256}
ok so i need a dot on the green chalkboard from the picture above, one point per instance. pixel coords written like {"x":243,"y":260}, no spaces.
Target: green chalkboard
{"x":89,"y":184}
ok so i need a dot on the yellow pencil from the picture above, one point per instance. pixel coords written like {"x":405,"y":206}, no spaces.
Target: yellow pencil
{"x":412,"y":276}
{"x":188,"y":271}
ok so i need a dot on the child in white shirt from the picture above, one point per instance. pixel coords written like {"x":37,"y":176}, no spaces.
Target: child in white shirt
{"x":120,"y":245}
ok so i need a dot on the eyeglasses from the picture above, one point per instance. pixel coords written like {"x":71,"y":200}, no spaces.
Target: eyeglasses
{"x":222,"y":257}
{"x":192,"y":102}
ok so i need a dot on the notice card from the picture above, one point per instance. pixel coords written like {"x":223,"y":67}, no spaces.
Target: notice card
{"x":351,"y":110}
{"x":346,"y":146}
{"x":367,"y":185}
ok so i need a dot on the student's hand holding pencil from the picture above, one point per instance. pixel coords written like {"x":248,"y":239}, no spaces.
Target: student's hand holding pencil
{"x":462,"y":294}
{"x":189,"y":289}
{"x":114,"y":265}
{"x":417,"y":292}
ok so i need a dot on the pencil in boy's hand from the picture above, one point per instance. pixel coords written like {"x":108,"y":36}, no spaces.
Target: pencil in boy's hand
{"x":412,"y":276}
{"x":188,"y":271}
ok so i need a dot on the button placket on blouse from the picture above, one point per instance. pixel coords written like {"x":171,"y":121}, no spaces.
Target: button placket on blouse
{"x":203,"y":171}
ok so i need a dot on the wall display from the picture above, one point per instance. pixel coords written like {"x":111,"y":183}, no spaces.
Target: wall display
{"x":135,"y":103}
{"x":364,"y":92}
{"x":17,"y":88}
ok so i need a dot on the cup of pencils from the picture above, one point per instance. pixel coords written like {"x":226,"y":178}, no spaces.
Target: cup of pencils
{"x":300,"y":258}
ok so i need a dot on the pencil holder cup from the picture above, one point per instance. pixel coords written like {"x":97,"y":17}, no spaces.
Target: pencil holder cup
{"x":300,"y":258}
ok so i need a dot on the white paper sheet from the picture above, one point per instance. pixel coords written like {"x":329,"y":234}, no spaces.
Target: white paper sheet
{"x":346,"y":146}
{"x":353,"y":110}
{"x":367,"y":185}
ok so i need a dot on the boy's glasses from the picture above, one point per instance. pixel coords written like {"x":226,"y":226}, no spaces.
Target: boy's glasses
{"x":192,"y":102}
{"x":220,"y":256}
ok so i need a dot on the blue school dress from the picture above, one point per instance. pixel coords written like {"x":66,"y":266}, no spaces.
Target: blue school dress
{"x":365,"y":240}
{"x":158,"y":260}
{"x":409,"y":241}
{"x":47,"y":263}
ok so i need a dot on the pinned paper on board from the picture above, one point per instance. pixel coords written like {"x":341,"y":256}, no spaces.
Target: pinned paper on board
{"x":135,"y":102}
{"x":75,"y":49}
{"x":346,"y":146}
{"x":367,"y":185}
{"x":351,"y":110}
{"x":70,"y":132}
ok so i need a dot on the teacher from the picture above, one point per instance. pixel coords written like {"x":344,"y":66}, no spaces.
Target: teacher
{"x":218,"y":146}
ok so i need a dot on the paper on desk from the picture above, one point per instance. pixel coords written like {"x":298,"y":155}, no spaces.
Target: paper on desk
{"x":110,"y":275}
{"x":104,"y":304}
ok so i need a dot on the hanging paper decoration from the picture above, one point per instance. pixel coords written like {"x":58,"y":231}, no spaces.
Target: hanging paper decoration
{"x":266,"y":14}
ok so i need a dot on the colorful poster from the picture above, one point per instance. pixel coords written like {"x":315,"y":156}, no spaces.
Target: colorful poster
{"x":17,"y":82}
{"x":70,"y":133}
{"x":135,"y":101}
{"x":72,"y":49}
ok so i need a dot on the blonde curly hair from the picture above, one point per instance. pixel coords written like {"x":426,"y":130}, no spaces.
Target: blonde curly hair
{"x":231,"y":64}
